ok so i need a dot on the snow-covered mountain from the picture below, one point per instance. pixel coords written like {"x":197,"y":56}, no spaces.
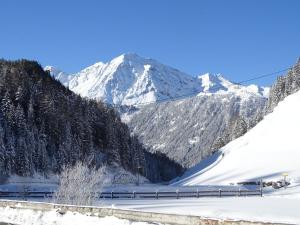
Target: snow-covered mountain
{"x":130,"y":79}
{"x":187,"y":130}
{"x":266,"y":152}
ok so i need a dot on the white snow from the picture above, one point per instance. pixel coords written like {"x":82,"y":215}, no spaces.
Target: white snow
{"x":263,"y":209}
{"x":31,"y":217}
{"x":212,"y":83}
{"x":218,"y":84}
{"x":266,"y":91}
{"x":267,"y":151}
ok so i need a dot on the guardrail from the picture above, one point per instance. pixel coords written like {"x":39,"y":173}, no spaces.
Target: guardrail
{"x":143,"y":195}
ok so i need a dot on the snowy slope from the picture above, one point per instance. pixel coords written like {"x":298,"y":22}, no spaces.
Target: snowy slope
{"x":130,"y":79}
{"x":266,"y":151}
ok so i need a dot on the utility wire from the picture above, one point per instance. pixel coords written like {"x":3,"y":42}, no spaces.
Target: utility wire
{"x":212,"y":89}
{"x":265,"y":75}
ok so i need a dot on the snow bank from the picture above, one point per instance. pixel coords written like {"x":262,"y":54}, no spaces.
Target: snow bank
{"x":31,"y":217}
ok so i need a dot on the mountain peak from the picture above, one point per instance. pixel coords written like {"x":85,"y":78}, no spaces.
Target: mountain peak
{"x":130,"y":79}
{"x":129,"y":57}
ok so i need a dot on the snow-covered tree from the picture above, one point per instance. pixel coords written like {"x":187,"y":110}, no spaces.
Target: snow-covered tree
{"x":80,"y":185}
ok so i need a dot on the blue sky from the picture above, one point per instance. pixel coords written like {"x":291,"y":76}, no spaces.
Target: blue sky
{"x":239,"y":39}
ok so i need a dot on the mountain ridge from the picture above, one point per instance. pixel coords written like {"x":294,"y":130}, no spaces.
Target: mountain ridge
{"x":132,"y":80}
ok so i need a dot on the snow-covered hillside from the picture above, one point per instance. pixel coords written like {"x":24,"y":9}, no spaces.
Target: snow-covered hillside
{"x":267,"y":151}
{"x":130,"y":79}
{"x":188,"y":130}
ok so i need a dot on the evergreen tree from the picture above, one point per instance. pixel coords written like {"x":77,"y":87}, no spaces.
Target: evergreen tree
{"x":23,"y":162}
{"x":3,"y":156}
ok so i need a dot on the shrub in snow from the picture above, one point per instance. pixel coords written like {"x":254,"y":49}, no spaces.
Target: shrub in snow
{"x":123,"y":177}
{"x":80,"y":185}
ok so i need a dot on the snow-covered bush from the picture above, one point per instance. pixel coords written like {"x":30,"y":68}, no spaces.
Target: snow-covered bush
{"x":80,"y":185}
{"x":120,"y":176}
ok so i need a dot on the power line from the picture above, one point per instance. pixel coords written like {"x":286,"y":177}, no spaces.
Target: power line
{"x":265,"y":75}
{"x":212,"y":89}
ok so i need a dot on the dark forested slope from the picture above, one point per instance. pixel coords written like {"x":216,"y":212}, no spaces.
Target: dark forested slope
{"x":43,"y":125}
